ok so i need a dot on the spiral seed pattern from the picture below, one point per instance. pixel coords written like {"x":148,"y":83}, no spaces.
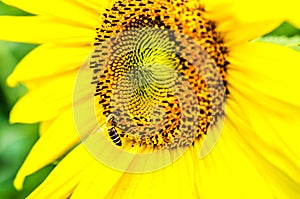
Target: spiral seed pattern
{"x":158,"y":68}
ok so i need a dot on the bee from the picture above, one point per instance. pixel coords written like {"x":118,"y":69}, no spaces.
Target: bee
{"x":112,"y":132}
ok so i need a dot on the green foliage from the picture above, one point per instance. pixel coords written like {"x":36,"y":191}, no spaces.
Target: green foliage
{"x":15,"y":140}
{"x":285,"y":29}
{"x":8,"y":10}
{"x":291,"y":42}
{"x":285,"y":35}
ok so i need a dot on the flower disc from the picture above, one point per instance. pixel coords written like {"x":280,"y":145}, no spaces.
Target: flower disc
{"x":150,"y":89}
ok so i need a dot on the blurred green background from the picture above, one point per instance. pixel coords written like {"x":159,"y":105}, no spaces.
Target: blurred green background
{"x":16,"y":140}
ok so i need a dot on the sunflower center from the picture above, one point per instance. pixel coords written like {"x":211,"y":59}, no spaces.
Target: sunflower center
{"x":153,"y":65}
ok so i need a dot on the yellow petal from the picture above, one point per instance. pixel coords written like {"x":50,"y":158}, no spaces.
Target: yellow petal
{"x":46,"y":101}
{"x":64,"y":178}
{"x":59,"y":138}
{"x":47,"y":60}
{"x":227,"y":170}
{"x":228,"y":173}
{"x":235,"y":33}
{"x":95,"y":4}
{"x":174,"y":181}
{"x":271,"y":141}
{"x":97,"y":181}
{"x":268,"y":69}
{"x":68,"y":11}
{"x":37,"y":29}
{"x":44,"y":126}
{"x":252,"y":11}
{"x":225,"y":173}
{"x":233,"y":27}
{"x":295,"y":21}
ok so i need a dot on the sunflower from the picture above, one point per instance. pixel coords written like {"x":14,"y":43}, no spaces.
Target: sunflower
{"x":187,"y":59}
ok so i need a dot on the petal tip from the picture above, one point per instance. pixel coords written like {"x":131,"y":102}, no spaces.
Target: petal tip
{"x":18,"y":181}
{"x":11,"y":81}
{"x":12,"y":118}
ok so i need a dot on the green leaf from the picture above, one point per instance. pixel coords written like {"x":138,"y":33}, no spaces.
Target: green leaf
{"x":291,"y":42}
{"x":8,"y":10}
{"x":285,"y":29}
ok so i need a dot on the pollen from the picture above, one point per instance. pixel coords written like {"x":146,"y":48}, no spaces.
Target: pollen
{"x":156,"y":66}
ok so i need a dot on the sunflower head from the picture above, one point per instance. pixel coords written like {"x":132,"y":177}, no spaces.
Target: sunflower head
{"x":154,"y":88}
{"x":159,"y":69}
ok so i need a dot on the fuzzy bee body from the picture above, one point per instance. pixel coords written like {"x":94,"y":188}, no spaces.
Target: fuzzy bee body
{"x":114,"y":136}
{"x":112,"y":132}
